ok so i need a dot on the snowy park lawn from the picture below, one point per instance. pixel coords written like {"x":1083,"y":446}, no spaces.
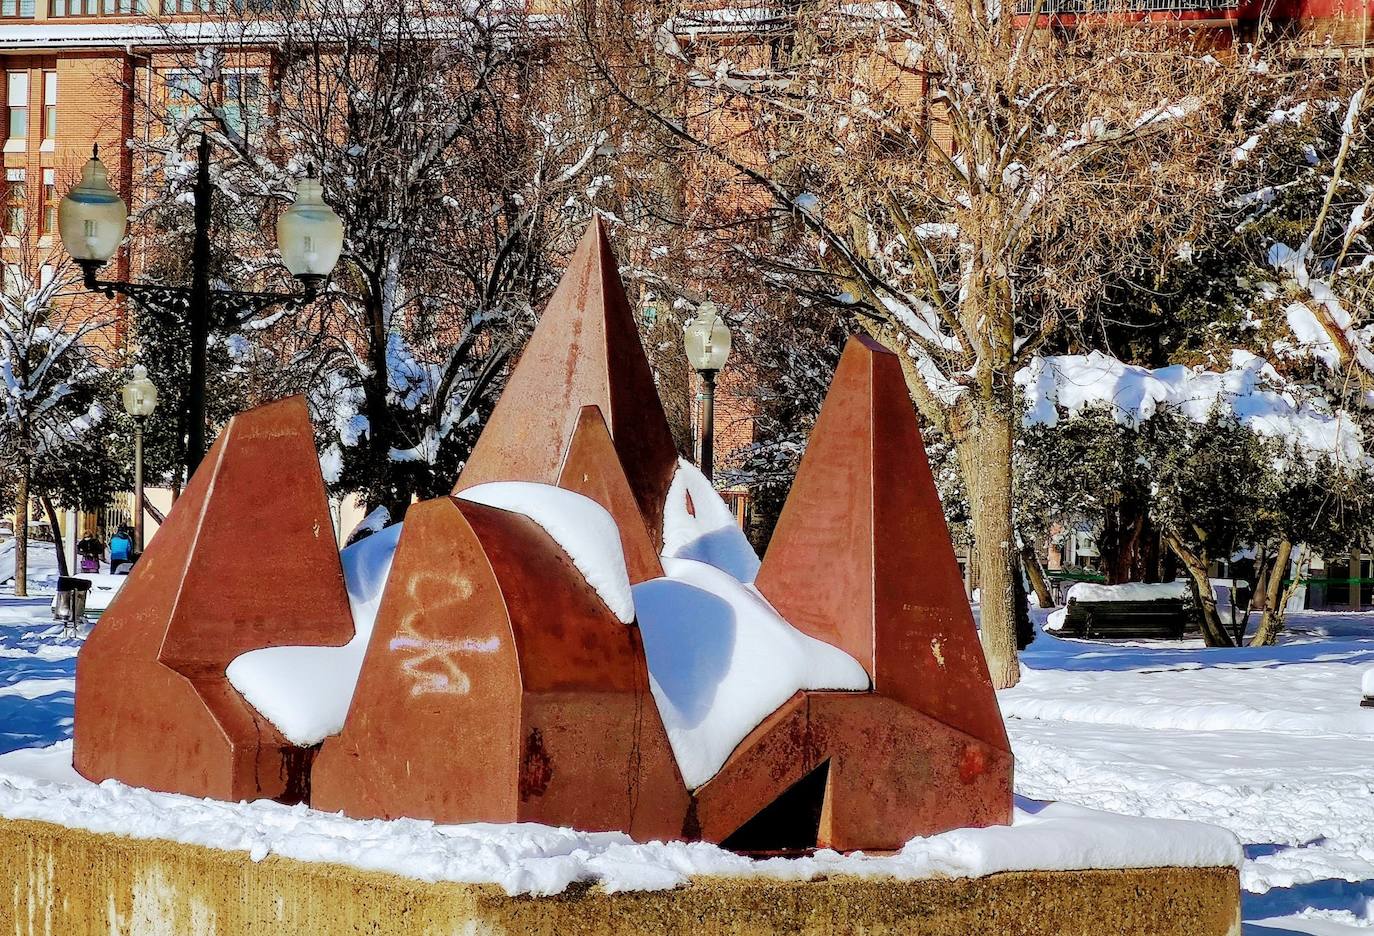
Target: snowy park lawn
{"x":1270,"y":744}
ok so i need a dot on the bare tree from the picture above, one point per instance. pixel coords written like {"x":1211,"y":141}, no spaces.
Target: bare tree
{"x":457,"y":156}
{"x":50,"y":345}
{"x":962,"y":183}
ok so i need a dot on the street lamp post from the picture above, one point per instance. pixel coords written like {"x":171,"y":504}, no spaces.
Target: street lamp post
{"x":92,"y":220}
{"x":706,"y":340}
{"x":140,"y":399}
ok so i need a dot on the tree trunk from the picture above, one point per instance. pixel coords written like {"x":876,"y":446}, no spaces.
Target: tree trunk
{"x":1276,"y":597}
{"x":1030,"y":560}
{"x":1025,"y":630}
{"x":1122,"y":542}
{"x":21,"y":534}
{"x":1195,"y":567}
{"x":56,"y":534}
{"x":386,"y":490}
{"x":985,"y":457}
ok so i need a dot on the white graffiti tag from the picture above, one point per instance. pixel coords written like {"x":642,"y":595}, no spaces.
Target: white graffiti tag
{"x":453,"y":680}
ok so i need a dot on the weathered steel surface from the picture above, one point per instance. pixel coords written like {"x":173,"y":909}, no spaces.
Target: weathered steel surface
{"x":585,"y":352}
{"x":592,"y":468}
{"x":861,"y":557}
{"x":246,"y":560}
{"x":499,"y":687}
{"x":893,"y":773}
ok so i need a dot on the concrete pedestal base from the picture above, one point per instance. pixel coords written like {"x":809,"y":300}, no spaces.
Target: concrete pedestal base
{"x":62,"y":882}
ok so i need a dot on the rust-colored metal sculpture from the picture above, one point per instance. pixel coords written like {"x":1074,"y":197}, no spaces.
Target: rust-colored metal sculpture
{"x":585,"y":352}
{"x":592,"y":469}
{"x":246,"y":559}
{"x":498,"y":687}
{"x":497,"y":684}
{"x":861,"y":559}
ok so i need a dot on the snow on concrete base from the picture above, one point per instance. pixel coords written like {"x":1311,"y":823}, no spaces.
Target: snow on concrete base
{"x":539,"y":860}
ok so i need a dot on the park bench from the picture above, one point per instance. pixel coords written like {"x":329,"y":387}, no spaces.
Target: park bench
{"x":1160,"y":618}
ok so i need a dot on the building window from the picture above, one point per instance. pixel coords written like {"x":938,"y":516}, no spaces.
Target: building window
{"x":242,"y":107}
{"x":183,"y":95}
{"x":49,"y":201}
{"x":16,"y":8}
{"x":46,"y":273}
{"x":18,"y":101}
{"x":50,"y":105}
{"x":16,"y":200}
{"x":96,"y":7}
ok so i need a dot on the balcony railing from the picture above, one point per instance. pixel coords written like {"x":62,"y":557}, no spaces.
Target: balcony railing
{"x":1049,"y":7}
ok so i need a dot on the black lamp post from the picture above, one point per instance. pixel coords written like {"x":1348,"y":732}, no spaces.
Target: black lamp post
{"x":706,"y":340}
{"x":92,"y":220}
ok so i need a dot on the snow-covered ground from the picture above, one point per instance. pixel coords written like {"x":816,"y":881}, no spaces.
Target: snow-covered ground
{"x":1271,"y":744}
{"x":37,"y":673}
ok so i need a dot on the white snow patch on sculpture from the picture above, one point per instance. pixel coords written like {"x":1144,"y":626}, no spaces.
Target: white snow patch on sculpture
{"x":708,"y":533}
{"x":306,"y":691}
{"x":721,"y":660}
{"x":523,"y":858}
{"x":579,"y":525}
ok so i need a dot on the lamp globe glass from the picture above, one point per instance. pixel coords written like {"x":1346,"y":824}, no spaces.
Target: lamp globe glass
{"x":309,"y":233}
{"x":706,"y":339}
{"x":92,"y":218}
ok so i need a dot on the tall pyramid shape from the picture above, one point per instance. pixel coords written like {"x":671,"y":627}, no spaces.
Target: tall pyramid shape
{"x":585,"y":352}
{"x":592,"y":469}
{"x":861,"y":557}
{"x":246,"y":560}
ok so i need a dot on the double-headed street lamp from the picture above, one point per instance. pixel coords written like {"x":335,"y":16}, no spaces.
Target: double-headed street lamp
{"x":140,"y":399}
{"x":707,"y":342}
{"x":92,"y":220}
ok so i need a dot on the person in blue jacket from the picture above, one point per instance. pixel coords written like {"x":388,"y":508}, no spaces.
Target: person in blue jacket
{"x":121,"y":547}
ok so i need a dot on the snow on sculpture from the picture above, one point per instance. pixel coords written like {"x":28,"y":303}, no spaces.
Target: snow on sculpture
{"x":500,"y":687}
{"x":580,"y":636}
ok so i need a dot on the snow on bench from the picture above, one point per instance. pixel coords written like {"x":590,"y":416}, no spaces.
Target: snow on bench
{"x":1134,"y":609}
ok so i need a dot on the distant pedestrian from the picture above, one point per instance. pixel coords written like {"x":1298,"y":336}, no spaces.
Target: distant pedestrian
{"x":89,"y":551}
{"x":121,"y":547}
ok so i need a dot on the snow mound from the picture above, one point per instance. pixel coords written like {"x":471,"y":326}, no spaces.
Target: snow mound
{"x":1251,"y":391}
{"x":538,"y":860}
{"x":578,"y":524}
{"x":42,"y":564}
{"x":1367,"y":684}
{"x":306,"y":691}
{"x":721,"y":660}
{"x":709,"y":532}
{"x":1056,"y":618}
{"x":1130,"y":591}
